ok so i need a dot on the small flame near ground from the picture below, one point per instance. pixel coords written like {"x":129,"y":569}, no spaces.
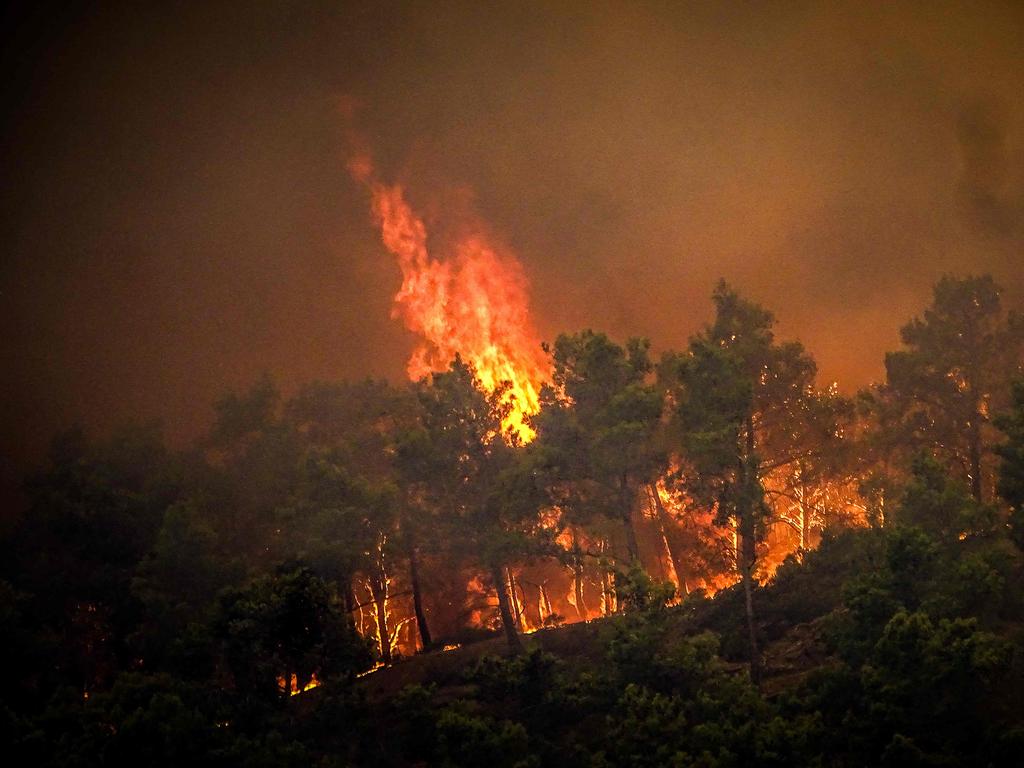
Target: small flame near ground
{"x":292,"y":686}
{"x":469,"y":299}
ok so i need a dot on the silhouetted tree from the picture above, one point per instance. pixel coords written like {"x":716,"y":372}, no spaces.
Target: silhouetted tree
{"x":955,"y":372}
{"x":807,"y":464}
{"x":254,"y":457}
{"x":1011,"y":468}
{"x":598,"y":425}
{"x":94,"y":514}
{"x":468,"y":473}
{"x":883,"y":448}
{"x":282,"y":625}
{"x":739,"y":392}
{"x":358,"y":428}
{"x":940,"y":505}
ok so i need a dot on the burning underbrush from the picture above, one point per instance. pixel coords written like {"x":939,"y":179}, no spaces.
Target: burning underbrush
{"x":662,"y":684}
{"x":679,"y":544}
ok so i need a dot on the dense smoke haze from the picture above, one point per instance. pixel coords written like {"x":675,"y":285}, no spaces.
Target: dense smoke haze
{"x":178,"y":218}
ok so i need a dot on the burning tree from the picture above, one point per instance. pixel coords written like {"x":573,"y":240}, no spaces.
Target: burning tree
{"x":469,"y":299}
{"x":348,"y":515}
{"x":598,"y":425}
{"x":809,"y":479}
{"x":738,"y":387}
{"x":471,"y":472}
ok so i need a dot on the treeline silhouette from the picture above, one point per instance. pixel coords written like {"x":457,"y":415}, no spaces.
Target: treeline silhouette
{"x":162,"y":607}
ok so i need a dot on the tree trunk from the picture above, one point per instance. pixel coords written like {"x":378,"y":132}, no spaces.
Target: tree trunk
{"x":748,"y":558}
{"x":379,"y":590}
{"x":417,"y":599}
{"x":805,"y":518}
{"x":607,"y":581}
{"x":632,"y":548}
{"x":508,"y":621}
{"x":663,"y":523}
{"x":975,"y":457}
{"x":609,"y":603}
{"x":544,"y":604}
{"x":626,"y":510}
{"x":577,"y":578}
{"x":882,"y":498}
{"x":518,"y":605}
{"x":380,"y":602}
{"x":748,"y":545}
{"x":577,"y":585}
{"x":349,"y":603}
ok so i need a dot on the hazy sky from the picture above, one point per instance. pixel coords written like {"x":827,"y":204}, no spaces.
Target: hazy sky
{"x":177,"y":217}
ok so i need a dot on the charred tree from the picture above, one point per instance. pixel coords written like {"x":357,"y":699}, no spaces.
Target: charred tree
{"x":508,"y":621}
{"x":417,"y":598}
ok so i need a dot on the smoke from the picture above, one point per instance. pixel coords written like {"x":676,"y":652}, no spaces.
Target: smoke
{"x":984,"y":192}
{"x":177,"y":217}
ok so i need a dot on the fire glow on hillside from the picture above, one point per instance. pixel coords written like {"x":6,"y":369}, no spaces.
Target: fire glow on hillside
{"x":467,"y":296}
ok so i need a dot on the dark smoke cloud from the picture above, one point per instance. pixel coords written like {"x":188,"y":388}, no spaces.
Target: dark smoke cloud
{"x":984,"y":193}
{"x":177,"y":217}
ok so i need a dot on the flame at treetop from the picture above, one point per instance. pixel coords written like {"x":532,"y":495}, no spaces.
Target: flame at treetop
{"x":471,"y":300}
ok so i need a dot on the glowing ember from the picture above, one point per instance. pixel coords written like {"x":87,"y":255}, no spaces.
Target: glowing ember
{"x":371,"y":670}
{"x":470,"y":300}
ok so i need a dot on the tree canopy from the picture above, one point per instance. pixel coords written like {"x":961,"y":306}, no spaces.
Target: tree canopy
{"x":761,"y":569}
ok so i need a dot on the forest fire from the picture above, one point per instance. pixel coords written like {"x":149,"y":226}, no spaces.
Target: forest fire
{"x":469,"y":299}
{"x":442,"y":384}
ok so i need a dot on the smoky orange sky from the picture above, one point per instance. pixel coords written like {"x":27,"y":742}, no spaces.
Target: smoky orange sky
{"x":177,"y":217}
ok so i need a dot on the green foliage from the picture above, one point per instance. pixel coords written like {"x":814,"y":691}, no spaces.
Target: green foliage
{"x":645,"y":727}
{"x":180,"y":578}
{"x":1011,"y":468}
{"x":652,"y":699}
{"x":597,"y":430}
{"x":743,"y":407}
{"x":923,"y":674}
{"x":637,"y":591}
{"x":282,"y":625}
{"x":804,"y":589}
{"x":919,"y":679}
{"x":336,"y":518}
{"x":456,"y":456}
{"x":415,"y":713}
{"x":954,"y":371}
{"x":465,"y":740}
{"x":526,"y":676}
{"x":481,"y":490}
{"x":148,"y":619}
{"x":156,"y":724}
{"x":941,"y":505}
{"x":94,"y":515}
{"x":931,"y":683}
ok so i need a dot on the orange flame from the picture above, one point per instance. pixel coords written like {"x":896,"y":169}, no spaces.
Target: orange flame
{"x":471,"y":301}
{"x":292,"y":686}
